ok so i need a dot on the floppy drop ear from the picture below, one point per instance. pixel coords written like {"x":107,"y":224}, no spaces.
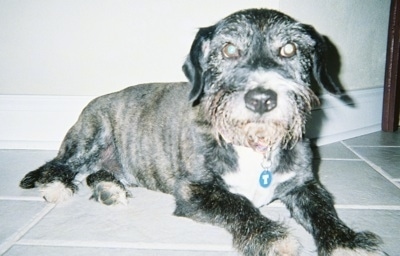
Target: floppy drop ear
{"x":193,"y":66}
{"x":319,"y":68}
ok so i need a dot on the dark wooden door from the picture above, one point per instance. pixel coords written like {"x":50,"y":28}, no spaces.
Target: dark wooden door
{"x":391,"y":94}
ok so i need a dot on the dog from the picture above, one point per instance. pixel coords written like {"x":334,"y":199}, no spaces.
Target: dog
{"x":225,"y":143}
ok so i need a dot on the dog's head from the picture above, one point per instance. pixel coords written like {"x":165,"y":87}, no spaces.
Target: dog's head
{"x":252,"y":73}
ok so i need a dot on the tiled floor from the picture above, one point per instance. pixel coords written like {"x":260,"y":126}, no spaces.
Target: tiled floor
{"x":363,"y":173}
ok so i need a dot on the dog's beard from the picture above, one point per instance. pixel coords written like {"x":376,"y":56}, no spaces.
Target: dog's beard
{"x":266,"y":132}
{"x":261,"y":137}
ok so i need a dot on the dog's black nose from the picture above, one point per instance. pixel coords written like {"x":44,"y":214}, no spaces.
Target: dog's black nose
{"x":260,"y":100}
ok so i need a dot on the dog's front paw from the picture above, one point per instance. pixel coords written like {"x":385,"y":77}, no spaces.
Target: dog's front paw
{"x":364,"y":244}
{"x":56,"y":192}
{"x":288,"y":246}
{"x":109,"y":193}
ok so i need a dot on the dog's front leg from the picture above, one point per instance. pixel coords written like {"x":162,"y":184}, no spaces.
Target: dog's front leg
{"x":312,"y":206}
{"x":253,"y":234}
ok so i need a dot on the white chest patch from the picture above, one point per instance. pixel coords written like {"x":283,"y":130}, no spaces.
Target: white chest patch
{"x":252,"y":180}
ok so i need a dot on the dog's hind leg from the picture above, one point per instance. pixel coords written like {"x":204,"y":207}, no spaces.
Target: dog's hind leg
{"x":56,"y":181}
{"x":86,"y":148}
{"x":107,"y":189}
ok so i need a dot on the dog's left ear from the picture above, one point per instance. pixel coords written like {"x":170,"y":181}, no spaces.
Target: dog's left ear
{"x":193,"y":66}
{"x":319,"y":69}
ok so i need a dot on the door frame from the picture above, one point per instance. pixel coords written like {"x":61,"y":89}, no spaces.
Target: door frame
{"x":391,"y":94}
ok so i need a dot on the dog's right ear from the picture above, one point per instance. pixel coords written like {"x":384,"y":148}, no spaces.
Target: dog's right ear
{"x":194,"y":64}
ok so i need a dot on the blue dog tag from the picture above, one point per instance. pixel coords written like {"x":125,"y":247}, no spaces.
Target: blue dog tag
{"x":265,"y":179}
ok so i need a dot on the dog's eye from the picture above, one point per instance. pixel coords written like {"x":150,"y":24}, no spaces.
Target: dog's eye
{"x":230,"y":51}
{"x":288,"y":50}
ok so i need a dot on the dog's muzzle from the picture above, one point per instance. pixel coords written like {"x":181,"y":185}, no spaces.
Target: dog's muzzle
{"x":260,"y":100}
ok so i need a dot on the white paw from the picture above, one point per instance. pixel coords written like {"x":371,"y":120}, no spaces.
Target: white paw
{"x":55,"y":192}
{"x":109,"y":193}
{"x":356,"y":252}
{"x":288,"y":246}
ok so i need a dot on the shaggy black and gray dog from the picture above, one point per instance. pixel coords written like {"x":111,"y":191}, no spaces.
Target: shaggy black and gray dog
{"x":224,"y":144}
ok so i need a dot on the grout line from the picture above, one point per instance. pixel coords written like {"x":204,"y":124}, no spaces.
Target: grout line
{"x":13,"y":239}
{"x":22,"y":198}
{"x":340,"y":159}
{"x":126,"y":245}
{"x":369,"y":146}
{"x":368,"y":207}
{"x":374,"y":166}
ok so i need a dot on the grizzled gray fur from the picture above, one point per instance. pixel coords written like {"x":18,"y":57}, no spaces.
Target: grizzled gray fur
{"x":224,"y":144}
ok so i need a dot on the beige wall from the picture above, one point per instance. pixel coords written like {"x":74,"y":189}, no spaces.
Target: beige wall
{"x":91,"y":47}
{"x":358,"y":28}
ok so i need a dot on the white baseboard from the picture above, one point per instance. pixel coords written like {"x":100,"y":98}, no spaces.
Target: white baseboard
{"x":336,"y":120}
{"x":40,"y":122}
